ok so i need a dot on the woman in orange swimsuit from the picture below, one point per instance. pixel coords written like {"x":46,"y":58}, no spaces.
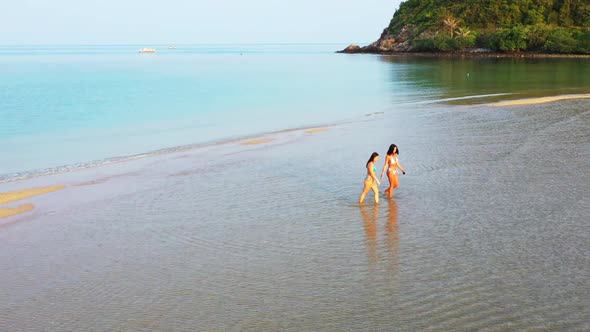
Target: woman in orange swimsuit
{"x":391,"y":165}
{"x":371,"y":181}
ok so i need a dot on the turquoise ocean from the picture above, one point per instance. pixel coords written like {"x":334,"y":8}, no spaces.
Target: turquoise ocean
{"x":65,"y":107}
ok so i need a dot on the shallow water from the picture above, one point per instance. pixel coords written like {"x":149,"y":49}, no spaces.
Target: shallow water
{"x":488,"y":231}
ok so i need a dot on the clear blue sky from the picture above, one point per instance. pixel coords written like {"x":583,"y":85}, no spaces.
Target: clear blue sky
{"x":192,"y":21}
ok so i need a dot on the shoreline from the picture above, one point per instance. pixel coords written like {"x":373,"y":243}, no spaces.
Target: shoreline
{"x":538,"y":100}
{"x":6,"y":198}
{"x":29,"y":192}
{"x":467,"y":54}
{"x":244,"y":141}
{"x":22,"y":197}
{"x":247,"y":140}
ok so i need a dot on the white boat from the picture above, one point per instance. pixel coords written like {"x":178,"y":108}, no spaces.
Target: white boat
{"x":171,"y":47}
{"x":147,"y":50}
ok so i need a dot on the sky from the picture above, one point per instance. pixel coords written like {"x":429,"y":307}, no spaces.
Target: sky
{"x":193,"y":21}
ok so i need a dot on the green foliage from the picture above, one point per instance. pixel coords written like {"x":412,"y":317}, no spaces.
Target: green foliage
{"x":582,"y":41}
{"x":488,"y":39}
{"x":537,"y":36}
{"x":463,"y":42}
{"x":558,"y":26}
{"x":511,"y":39}
{"x":533,"y":16}
{"x":560,"y":40}
{"x":443,"y":43}
{"x":424,"y":45}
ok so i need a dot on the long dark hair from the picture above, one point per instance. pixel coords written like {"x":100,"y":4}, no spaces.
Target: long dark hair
{"x":373,"y":155}
{"x":392,"y":147}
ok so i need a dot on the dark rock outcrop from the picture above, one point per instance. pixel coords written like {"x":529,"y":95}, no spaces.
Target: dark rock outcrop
{"x":386,"y":43}
{"x":351,"y":49}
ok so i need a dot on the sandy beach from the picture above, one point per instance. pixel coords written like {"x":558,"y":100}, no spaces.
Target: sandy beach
{"x":18,"y":195}
{"x":10,"y":212}
{"x":257,"y":141}
{"x":268,"y":235}
{"x":316,"y":130}
{"x":541,"y":100}
{"x":9,"y":197}
{"x":85,"y":177}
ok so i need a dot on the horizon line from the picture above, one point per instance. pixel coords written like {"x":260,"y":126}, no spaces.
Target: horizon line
{"x":186,"y":44}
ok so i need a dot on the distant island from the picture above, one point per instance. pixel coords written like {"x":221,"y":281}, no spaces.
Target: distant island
{"x":511,"y":27}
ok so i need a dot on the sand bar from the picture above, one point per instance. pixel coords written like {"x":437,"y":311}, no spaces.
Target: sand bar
{"x":9,"y":212}
{"x":316,"y":130}
{"x":18,"y":195}
{"x":541,"y":100}
{"x":257,"y":141}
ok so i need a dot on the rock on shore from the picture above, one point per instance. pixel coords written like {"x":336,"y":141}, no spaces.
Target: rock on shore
{"x":386,"y":43}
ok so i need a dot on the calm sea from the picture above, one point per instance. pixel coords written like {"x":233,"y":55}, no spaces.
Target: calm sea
{"x":488,"y":231}
{"x":74,"y":106}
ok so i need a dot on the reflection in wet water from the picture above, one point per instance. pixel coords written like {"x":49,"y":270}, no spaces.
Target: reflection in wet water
{"x":390,"y":235}
{"x":370,"y":216}
{"x":443,"y":78}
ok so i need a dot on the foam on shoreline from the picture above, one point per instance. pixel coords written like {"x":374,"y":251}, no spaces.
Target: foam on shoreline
{"x":541,"y":100}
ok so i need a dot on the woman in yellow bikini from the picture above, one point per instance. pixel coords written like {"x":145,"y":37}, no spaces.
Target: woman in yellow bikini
{"x":391,"y":165}
{"x":371,"y":181}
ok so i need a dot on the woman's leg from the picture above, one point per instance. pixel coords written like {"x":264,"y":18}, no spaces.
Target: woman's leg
{"x":391,"y":178}
{"x":376,"y":192}
{"x":365,"y":190}
{"x":395,"y":182}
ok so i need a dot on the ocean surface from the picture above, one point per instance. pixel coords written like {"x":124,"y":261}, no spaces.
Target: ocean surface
{"x":488,"y":231}
{"x":66,"y":106}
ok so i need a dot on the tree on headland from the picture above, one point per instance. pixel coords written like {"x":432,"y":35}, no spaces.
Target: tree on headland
{"x":463,"y":32}
{"x":451,"y":23}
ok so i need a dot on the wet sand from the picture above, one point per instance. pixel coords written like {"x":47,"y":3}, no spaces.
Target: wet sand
{"x":13,"y":196}
{"x":483,"y":233}
{"x":541,"y":100}
{"x":6,"y":212}
{"x":316,"y":130}
{"x":8,"y":197}
{"x":257,"y":141}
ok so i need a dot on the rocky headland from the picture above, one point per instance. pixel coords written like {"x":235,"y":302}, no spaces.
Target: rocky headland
{"x":495,"y":28}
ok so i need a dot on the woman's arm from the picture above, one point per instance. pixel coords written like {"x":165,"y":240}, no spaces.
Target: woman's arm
{"x":400,"y":166}
{"x":372,"y":173}
{"x":384,"y":167}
